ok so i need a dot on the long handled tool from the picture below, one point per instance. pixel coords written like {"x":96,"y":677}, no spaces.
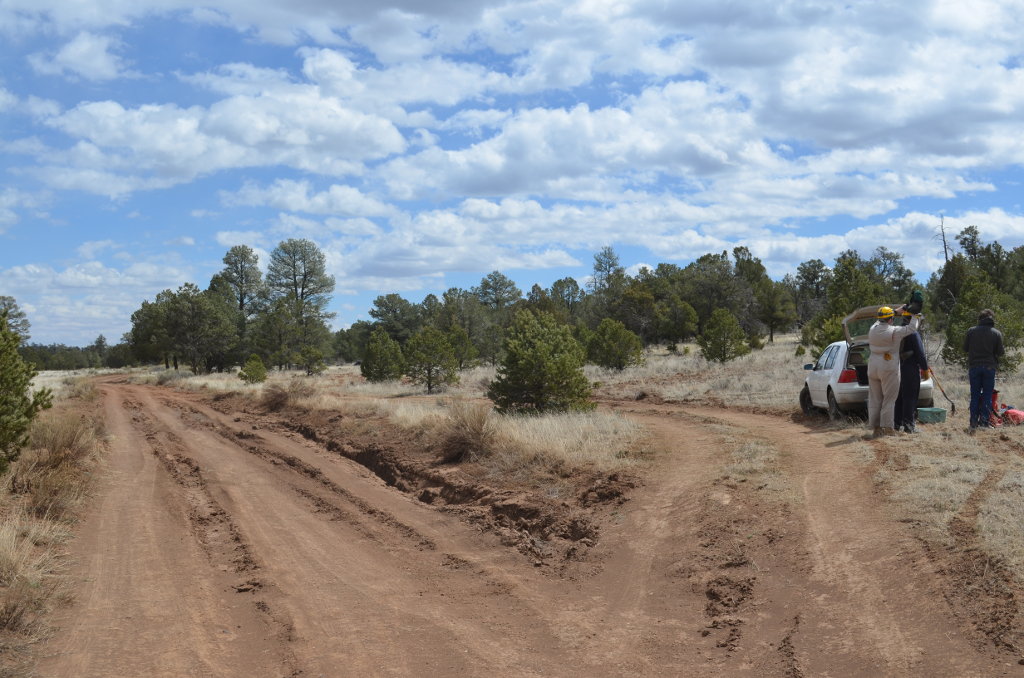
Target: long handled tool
{"x":952,"y":405}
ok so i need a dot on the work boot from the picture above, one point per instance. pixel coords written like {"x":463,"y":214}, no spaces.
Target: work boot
{"x":886,"y":431}
{"x":877,"y":432}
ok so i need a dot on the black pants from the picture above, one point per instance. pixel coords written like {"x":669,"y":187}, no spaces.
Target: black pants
{"x":906,"y":402}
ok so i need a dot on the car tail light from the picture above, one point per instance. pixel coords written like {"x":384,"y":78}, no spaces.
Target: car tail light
{"x":848,"y":376}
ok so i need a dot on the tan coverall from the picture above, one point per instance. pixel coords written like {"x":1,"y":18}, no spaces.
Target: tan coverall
{"x":884,"y":370}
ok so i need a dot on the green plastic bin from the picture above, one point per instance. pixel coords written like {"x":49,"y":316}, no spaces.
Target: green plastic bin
{"x":931,"y":415}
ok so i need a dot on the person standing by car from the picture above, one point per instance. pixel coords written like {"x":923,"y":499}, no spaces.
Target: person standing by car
{"x":913,"y":363}
{"x":983,"y":345}
{"x":884,"y":369}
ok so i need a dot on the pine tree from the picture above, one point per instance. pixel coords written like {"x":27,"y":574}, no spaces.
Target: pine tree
{"x":613,"y":346}
{"x":254,"y":371}
{"x":723,"y":339}
{"x":542,"y":370}
{"x":383,"y":359}
{"x":430,"y":359}
{"x":1009,"y":317}
{"x":18,"y":406}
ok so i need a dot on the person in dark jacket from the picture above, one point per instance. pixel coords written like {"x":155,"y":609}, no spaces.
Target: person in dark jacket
{"x":984,"y":346}
{"x":913,"y":362}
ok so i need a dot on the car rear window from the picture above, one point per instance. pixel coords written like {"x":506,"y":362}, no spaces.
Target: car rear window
{"x":860,"y":327}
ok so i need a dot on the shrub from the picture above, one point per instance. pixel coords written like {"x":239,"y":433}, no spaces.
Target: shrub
{"x":613,"y":346}
{"x":723,"y":339}
{"x":254,"y":371}
{"x":469,"y":431}
{"x":277,"y":397}
{"x":430,"y":359}
{"x":542,"y":370}
{"x":821,"y":331}
{"x":383,"y":359}
{"x":1008,"y":318}
{"x":170,"y":376}
{"x":18,"y":405}
{"x":311,"y":359}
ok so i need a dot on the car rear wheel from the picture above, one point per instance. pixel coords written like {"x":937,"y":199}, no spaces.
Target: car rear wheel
{"x":833,"y":407}
{"x":805,"y":401}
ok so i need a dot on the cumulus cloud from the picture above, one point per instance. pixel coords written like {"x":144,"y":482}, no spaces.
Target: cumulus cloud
{"x":87,"y":56}
{"x":89,"y":250}
{"x":299,"y":196}
{"x":79,"y":302}
{"x":418,"y":138}
{"x":121,"y":150}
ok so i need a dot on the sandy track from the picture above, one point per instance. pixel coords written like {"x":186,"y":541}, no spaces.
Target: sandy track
{"x":219,"y":546}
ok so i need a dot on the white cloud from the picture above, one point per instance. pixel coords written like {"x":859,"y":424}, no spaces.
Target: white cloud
{"x":231,"y":238}
{"x":7,"y":100}
{"x":87,"y":55}
{"x":84,"y":300}
{"x":182,"y":241}
{"x":417,"y":139}
{"x":298,"y":196}
{"x":89,"y":250}
{"x":122,"y":150}
{"x":13,"y":202}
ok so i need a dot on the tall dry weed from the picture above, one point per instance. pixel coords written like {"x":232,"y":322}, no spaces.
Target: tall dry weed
{"x":278,"y":396}
{"x":28,"y":575}
{"x":469,"y":431}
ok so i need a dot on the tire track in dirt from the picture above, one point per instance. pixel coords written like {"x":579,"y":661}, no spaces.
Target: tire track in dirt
{"x":212,"y":528}
{"x":152,"y":604}
{"x":386,"y":607}
{"x":732,"y":554}
{"x":982,"y":588}
{"x":867,"y":598}
{"x":699,"y":574}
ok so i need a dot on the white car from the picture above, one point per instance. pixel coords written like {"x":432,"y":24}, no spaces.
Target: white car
{"x":838,"y":381}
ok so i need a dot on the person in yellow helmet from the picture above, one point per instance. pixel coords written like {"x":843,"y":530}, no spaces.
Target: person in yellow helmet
{"x":884,"y":368}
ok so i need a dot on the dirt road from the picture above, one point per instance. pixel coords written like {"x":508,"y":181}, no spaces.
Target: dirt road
{"x":219,"y":544}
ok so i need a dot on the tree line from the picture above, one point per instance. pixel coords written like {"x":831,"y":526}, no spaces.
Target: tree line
{"x":725,"y":302}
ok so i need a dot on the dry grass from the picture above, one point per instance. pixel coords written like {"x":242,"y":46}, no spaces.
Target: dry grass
{"x":39,"y":497}
{"x":521,"y":447}
{"x":931,"y":476}
{"x":771,"y":377}
{"x":1001,"y":515}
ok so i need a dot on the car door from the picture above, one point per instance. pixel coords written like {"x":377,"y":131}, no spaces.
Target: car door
{"x":817,"y":380}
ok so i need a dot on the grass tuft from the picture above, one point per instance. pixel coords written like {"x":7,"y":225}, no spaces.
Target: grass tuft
{"x":469,"y":431}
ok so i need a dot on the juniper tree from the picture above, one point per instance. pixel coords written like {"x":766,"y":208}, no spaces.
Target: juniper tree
{"x":383,"y":359}
{"x":18,"y":404}
{"x":542,"y":370}
{"x":613,"y":346}
{"x":722,"y":339}
{"x":430,"y":359}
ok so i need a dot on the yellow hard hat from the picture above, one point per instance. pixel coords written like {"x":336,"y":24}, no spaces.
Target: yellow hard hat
{"x":884,"y":313}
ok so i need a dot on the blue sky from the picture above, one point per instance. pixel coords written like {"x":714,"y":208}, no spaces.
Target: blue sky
{"x":424,"y":143}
